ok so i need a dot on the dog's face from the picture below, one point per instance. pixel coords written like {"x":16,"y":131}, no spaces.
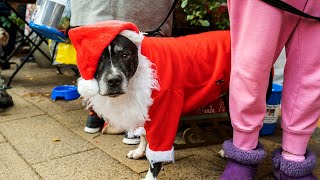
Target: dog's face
{"x":4,"y":37}
{"x":117,"y":65}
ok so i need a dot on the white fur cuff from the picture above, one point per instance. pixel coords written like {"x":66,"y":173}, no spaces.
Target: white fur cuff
{"x":88,"y":88}
{"x":159,"y":156}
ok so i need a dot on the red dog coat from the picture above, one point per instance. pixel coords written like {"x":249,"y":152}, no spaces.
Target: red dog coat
{"x":190,"y":70}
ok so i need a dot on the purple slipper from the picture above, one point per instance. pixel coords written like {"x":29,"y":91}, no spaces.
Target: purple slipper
{"x":241,"y":164}
{"x":290,"y":170}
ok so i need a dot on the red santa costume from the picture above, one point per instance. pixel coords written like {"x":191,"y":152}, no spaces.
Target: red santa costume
{"x":188,"y":72}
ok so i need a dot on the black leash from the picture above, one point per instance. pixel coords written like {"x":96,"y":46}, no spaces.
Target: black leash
{"x":286,"y":7}
{"x":157,"y":31}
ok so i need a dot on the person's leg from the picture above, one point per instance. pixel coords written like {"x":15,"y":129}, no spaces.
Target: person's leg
{"x":300,"y":99}
{"x":256,"y":43}
{"x":258,"y":34}
{"x":301,"y":88}
{"x":255,"y":31}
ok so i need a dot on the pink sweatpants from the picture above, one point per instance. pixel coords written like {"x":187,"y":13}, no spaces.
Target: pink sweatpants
{"x":258,"y":34}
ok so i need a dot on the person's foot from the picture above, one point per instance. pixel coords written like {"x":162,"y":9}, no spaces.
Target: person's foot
{"x":241,"y":164}
{"x":290,"y":170}
{"x":3,"y":64}
{"x":133,"y":137}
{"x":94,"y":123}
{"x":5,"y":99}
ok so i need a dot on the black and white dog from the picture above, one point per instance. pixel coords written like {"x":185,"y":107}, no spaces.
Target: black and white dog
{"x":127,"y":82}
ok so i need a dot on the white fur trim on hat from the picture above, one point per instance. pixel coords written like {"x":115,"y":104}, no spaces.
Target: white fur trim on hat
{"x":88,"y":88}
{"x":159,"y":156}
{"x":133,"y":36}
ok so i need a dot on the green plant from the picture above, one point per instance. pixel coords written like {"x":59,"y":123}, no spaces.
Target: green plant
{"x":206,"y":13}
{"x":13,"y":18}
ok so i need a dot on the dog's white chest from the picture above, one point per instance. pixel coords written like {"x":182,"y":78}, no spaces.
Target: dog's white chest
{"x":123,"y":112}
{"x":129,"y":110}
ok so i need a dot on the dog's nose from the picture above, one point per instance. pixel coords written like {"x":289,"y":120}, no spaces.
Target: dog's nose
{"x":115,"y":80}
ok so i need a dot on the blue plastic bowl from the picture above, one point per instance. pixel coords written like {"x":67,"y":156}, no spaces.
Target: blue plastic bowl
{"x":275,"y":99}
{"x":66,"y":92}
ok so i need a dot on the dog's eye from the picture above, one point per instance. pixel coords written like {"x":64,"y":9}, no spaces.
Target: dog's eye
{"x":125,"y":56}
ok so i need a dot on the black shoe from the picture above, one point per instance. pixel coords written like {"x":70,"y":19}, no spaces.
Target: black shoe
{"x":5,"y":98}
{"x":131,"y":138}
{"x":94,"y":123}
{"x":4,"y":64}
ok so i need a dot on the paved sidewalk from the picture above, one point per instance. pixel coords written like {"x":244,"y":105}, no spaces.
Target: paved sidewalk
{"x":44,"y":139}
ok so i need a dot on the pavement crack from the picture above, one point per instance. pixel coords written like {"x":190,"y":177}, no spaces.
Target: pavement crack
{"x":20,"y":155}
{"x":51,"y":159}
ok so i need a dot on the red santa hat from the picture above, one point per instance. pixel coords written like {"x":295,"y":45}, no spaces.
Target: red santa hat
{"x":90,"y":41}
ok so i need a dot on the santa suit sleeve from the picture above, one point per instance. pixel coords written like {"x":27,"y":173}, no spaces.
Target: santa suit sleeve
{"x":162,"y":128}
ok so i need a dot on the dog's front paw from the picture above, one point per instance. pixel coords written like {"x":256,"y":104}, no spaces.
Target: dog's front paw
{"x":135,"y":154}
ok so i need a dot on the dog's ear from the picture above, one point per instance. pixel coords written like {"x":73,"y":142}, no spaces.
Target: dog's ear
{"x":133,"y":36}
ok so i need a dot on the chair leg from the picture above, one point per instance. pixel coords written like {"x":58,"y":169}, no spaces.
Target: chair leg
{"x":59,"y":70}
{"x":22,"y":64}
{"x":16,"y":49}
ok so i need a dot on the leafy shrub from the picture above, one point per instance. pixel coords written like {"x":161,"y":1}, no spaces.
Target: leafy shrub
{"x":13,"y":18}
{"x":206,"y":13}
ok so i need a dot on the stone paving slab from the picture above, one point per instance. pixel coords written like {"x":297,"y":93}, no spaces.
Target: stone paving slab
{"x":73,"y":118}
{"x":112,"y":145}
{"x":21,"y":109}
{"x":2,"y":139}
{"x":209,"y":153}
{"x":44,"y":93}
{"x":41,"y":138}
{"x":12,"y":166}
{"x":93,"y":164}
{"x":39,"y":100}
{"x":70,"y":105}
{"x":69,"y":113}
{"x":192,"y":167}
